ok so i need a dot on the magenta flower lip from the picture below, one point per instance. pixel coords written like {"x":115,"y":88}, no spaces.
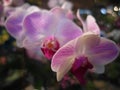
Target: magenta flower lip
{"x":80,"y":67}
{"x":50,"y":46}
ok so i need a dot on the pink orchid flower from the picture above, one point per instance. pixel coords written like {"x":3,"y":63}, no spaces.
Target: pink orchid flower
{"x":49,"y":30}
{"x":14,"y":26}
{"x":88,"y":52}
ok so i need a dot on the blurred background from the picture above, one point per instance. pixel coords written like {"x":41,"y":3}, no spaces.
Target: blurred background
{"x":20,"y":72}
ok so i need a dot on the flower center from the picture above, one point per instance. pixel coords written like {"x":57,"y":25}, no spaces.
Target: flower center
{"x":80,"y":67}
{"x":50,"y":46}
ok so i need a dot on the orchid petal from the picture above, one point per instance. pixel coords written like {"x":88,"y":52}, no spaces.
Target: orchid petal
{"x":63,"y":59}
{"x":103,"y":53}
{"x":14,"y":21}
{"x":86,"y":42}
{"x":83,"y":23}
{"x":52,"y":3}
{"x":70,"y":15}
{"x":67,"y":5}
{"x":39,"y":23}
{"x":36,"y":54}
{"x":65,"y":68}
{"x":58,"y":11}
{"x":92,"y":25}
{"x":30,"y":9}
{"x":13,"y":24}
{"x":67,"y":31}
{"x":28,"y":44}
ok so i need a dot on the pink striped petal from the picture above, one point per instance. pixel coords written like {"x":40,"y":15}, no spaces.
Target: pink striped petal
{"x":81,"y":20}
{"x":67,"y":31}
{"x":86,"y":42}
{"x":92,"y":25}
{"x":63,"y":59}
{"x":70,"y":15}
{"x":103,"y":53}
{"x":58,"y":11}
{"x":14,"y":24}
{"x":39,"y":23}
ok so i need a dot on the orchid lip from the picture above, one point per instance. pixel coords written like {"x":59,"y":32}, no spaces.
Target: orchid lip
{"x":80,"y":67}
{"x":50,"y":46}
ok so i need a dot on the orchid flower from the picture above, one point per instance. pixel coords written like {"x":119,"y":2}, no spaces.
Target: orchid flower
{"x":14,"y":25}
{"x":49,"y":30}
{"x":88,"y":52}
{"x":15,"y":28}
